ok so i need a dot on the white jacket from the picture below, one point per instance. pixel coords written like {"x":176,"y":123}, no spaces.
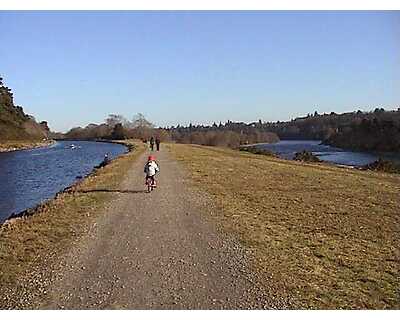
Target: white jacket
{"x":151,"y":168}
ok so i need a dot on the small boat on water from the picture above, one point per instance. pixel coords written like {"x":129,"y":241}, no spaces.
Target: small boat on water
{"x":73,"y":146}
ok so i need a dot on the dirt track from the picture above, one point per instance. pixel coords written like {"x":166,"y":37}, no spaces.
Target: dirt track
{"x":156,"y":251}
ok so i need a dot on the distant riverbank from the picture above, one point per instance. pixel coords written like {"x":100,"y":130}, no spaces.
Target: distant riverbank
{"x":9,"y":146}
{"x":286,"y":149}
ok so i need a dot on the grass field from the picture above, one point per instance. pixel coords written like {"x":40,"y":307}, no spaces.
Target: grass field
{"x":327,"y":236}
{"x":29,"y":241}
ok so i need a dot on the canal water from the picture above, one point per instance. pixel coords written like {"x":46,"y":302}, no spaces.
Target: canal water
{"x":29,"y":177}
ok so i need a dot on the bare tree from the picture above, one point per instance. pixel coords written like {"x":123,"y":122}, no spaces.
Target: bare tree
{"x":141,"y":128}
{"x":114,"y":119}
{"x":139,"y":121}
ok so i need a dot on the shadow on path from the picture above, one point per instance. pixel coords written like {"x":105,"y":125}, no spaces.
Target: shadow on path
{"x":109,"y":190}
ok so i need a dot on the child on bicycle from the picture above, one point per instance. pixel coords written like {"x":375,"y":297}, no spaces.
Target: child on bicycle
{"x":150,"y":169}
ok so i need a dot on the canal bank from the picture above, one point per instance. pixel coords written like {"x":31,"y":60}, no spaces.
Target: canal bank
{"x":49,"y":229}
{"x":30,"y":177}
{"x":11,"y":146}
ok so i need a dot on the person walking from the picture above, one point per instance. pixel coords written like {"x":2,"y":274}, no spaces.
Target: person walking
{"x":152,"y":143}
{"x":158,"y":141}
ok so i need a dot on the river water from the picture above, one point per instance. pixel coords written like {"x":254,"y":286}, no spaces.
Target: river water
{"x":30,"y":177}
{"x":287,"y":149}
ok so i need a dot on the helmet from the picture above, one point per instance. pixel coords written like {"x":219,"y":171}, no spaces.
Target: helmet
{"x":151,"y":158}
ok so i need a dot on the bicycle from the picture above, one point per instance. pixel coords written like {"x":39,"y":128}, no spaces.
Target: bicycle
{"x":151,"y":183}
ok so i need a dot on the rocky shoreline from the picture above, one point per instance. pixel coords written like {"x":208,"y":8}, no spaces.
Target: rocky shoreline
{"x":18,"y":146}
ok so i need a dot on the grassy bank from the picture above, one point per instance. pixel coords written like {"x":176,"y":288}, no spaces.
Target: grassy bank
{"x":27,"y":242}
{"x":327,"y":236}
{"x":22,"y":145}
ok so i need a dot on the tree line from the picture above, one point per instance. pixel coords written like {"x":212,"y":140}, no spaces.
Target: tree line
{"x":324,"y":127}
{"x":229,"y":134}
{"x":375,"y":130}
{"x":118,"y":127}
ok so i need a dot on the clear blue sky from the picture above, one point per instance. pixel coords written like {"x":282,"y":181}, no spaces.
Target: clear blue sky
{"x":74,"y":68}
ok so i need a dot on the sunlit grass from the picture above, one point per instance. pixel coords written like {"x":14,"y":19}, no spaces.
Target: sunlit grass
{"x":328,"y":236}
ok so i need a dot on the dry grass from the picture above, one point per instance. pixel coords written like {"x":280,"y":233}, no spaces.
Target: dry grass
{"x":28,"y":241}
{"x":328,"y":236}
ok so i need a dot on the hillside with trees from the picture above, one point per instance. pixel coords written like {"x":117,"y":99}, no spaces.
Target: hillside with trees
{"x":380,"y":133}
{"x":378,"y":130}
{"x":15,"y":125}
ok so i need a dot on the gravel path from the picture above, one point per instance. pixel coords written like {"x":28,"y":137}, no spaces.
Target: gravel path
{"x":156,"y":251}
